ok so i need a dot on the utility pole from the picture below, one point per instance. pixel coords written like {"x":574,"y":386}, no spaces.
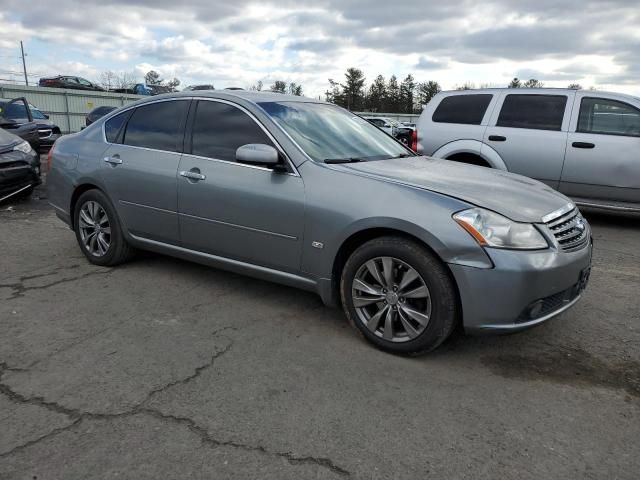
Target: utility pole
{"x":24,"y":65}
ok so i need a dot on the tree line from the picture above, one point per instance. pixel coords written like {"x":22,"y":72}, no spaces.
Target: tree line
{"x":394,"y":96}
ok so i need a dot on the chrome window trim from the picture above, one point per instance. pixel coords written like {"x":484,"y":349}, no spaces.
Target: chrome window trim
{"x":295,"y":172}
{"x":238,"y":164}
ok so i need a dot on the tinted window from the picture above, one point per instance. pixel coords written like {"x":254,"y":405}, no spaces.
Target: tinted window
{"x":466,"y":109}
{"x":608,"y":117}
{"x":157,"y":126}
{"x":15,"y":111}
{"x":219,"y":129}
{"x":113,"y":126}
{"x":540,"y":112}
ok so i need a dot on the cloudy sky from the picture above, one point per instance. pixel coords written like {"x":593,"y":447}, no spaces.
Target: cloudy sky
{"x":238,"y":42}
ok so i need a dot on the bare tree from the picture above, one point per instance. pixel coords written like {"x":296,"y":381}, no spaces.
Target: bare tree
{"x":257,"y":87}
{"x":533,"y":83}
{"x":575,"y":86}
{"x":125,"y":80}
{"x":109,"y":79}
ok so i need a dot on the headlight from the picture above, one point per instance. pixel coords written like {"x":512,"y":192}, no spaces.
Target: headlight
{"x":493,"y":230}
{"x":23,"y":147}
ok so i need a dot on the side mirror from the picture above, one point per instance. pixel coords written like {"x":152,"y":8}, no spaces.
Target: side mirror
{"x":257,"y":154}
{"x":46,"y":115}
{"x":386,"y":125}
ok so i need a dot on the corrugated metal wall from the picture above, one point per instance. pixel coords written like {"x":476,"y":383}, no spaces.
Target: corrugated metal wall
{"x":66,"y":108}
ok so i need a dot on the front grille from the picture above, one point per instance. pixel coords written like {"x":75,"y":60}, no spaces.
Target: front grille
{"x":45,"y":132}
{"x":570,"y":230}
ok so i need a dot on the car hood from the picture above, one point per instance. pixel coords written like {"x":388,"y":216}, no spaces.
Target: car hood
{"x":7,"y":140}
{"x":519,"y":198}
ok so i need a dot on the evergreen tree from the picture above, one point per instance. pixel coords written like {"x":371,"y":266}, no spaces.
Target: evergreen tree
{"x":377,"y":94}
{"x":353,"y":96}
{"x":407,"y":89}
{"x":392,"y":103}
{"x":426,"y":91}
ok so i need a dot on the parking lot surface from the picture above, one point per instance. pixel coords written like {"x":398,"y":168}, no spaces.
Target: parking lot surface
{"x":165,"y":369}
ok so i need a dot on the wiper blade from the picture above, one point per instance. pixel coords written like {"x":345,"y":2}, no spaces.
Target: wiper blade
{"x":343,"y":160}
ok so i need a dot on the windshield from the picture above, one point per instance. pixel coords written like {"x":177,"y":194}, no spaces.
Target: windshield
{"x":327,"y":132}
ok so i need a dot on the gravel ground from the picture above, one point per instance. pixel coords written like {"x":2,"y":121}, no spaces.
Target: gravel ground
{"x":166,"y":369}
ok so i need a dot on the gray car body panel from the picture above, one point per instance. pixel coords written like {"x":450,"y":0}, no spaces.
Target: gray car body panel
{"x":606,"y":176}
{"x":289,"y":227}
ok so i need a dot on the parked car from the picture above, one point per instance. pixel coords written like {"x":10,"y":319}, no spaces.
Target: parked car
{"x":97,"y":113}
{"x":392,"y":127}
{"x":137,"y":89}
{"x":16,"y":117}
{"x":385,"y":124}
{"x":19,"y":166}
{"x":408,"y":125}
{"x":192,"y":88}
{"x":584,"y":143}
{"x":71,"y":82}
{"x":48,"y":132}
{"x":308,"y":194}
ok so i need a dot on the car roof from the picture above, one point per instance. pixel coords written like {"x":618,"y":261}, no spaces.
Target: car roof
{"x":533,"y":91}
{"x":248,"y":95}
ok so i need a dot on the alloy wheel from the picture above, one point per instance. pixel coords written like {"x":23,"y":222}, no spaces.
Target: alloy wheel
{"x":95,"y":229}
{"x":391,"y":299}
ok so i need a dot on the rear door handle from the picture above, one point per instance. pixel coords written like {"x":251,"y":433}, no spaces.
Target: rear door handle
{"x":497,"y":138}
{"x":113,"y":160}
{"x":191,"y":175}
{"x":583,"y":145}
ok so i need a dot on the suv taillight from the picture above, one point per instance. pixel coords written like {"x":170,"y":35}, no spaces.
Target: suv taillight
{"x":414,"y":140}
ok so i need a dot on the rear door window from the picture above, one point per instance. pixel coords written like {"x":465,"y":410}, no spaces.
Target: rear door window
{"x":219,"y":129}
{"x":538,"y":112}
{"x":608,"y":117}
{"x":157,"y":126}
{"x":464,"y":109}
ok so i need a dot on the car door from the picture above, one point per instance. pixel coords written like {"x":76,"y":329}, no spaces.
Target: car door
{"x":140,"y":167}
{"x":244,"y":212}
{"x":603,"y":149}
{"x":529,"y":132}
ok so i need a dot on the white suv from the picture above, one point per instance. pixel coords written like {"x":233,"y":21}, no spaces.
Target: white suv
{"x":584,"y":143}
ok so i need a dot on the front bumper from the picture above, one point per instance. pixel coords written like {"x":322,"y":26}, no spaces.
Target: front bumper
{"x":17,"y":171}
{"x":524,"y":289}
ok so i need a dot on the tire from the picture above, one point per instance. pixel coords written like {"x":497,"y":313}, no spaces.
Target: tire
{"x":424,"y":311}
{"x":96,"y":205}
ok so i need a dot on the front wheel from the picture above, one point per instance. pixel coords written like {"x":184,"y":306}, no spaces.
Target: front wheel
{"x":399,"y":295}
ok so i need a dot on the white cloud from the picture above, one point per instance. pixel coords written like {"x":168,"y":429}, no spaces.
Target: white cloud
{"x":236,"y":44}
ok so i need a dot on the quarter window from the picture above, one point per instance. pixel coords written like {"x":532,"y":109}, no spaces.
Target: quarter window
{"x":608,"y":117}
{"x":538,"y":112}
{"x":219,"y":129}
{"x":113,"y":127}
{"x":465,"y":109}
{"x":157,"y":126}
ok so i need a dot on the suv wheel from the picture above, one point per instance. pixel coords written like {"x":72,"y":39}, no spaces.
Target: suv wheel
{"x":98,"y":230}
{"x":399,"y":295}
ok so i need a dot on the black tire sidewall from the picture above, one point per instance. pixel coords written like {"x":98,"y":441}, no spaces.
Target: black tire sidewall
{"x":117,"y":238}
{"x":441,"y":288}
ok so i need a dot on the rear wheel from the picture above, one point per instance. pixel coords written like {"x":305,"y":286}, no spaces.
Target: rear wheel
{"x":399,"y":295}
{"x":98,"y":230}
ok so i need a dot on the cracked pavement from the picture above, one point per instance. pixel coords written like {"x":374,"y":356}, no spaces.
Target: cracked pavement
{"x":165,"y":369}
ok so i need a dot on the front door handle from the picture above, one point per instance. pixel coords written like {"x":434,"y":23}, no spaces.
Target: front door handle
{"x":583,"y":145}
{"x":497,"y":138}
{"x":113,"y":160}
{"x":192,"y":175}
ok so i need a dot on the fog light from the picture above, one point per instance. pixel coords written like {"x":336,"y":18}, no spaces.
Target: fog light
{"x":535,"y":308}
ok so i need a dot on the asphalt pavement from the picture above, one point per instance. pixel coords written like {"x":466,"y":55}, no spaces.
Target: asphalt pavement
{"x":162,"y":369}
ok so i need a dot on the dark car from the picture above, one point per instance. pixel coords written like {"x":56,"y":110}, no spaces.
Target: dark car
{"x":75,"y":83}
{"x":48,"y":132}
{"x":192,"y":88}
{"x":19,"y":166}
{"x":17,"y":118}
{"x":97,"y":113}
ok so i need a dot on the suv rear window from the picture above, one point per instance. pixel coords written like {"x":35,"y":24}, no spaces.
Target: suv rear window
{"x":465,"y":109}
{"x":539,"y":112}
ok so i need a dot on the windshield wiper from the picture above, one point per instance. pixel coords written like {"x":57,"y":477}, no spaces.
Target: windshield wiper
{"x":403,"y":155}
{"x":343,"y":160}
